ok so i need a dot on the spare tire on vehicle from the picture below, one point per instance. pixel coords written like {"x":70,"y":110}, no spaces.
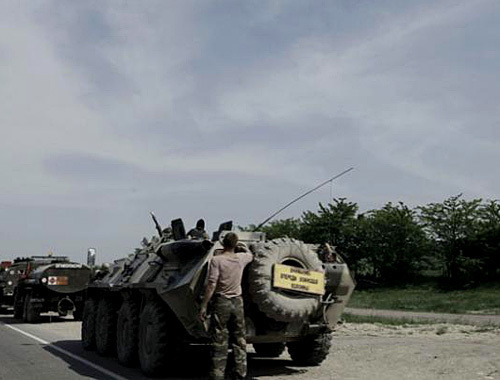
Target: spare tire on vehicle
{"x":283,"y":306}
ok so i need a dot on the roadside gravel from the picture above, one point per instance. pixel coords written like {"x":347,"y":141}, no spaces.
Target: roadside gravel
{"x":374,"y":351}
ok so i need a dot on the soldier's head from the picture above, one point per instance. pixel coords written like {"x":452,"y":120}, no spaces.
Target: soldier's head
{"x":200,"y":224}
{"x":230,"y":240}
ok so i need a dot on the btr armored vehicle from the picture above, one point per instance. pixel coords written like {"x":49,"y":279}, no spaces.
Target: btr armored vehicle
{"x":145,"y":310}
{"x":46,"y":283}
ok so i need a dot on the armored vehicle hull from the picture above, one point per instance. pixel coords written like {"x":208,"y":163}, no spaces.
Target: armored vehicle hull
{"x":44,"y":283}
{"x":145,"y":310}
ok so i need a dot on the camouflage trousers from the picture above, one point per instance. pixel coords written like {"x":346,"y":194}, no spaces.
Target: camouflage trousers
{"x":228,"y":321}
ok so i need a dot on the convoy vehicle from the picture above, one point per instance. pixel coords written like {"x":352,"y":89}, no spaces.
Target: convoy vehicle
{"x":145,"y":310}
{"x":41,"y":284}
{"x":6,"y":290}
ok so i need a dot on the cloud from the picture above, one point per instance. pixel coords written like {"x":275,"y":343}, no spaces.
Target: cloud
{"x":228,"y":110}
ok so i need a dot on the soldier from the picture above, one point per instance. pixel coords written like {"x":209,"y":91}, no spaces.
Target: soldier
{"x":327,"y":253}
{"x":224,"y":284}
{"x":199,"y":232}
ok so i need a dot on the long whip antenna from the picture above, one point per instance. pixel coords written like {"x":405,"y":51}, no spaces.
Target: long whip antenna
{"x":302,"y":196}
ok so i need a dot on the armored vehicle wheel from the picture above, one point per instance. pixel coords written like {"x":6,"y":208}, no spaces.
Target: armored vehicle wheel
{"x":127,"y":333}
{"x":88,"y":324}
{"x":31,"y":314}
{"x":310,"y":351}
{"x":18,"y":306}
{"x":269,"y":350}
{"x":278,"y":305}
{"x":105,"y":338}
{"x":154,"y":342}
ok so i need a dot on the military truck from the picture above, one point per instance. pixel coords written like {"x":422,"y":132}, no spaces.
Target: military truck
{"x":5,"y":285}
{"x":47,"y":283}
{"x":145,"y":310}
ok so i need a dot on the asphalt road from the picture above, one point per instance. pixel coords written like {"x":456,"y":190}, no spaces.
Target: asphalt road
{"x":52,"y":350}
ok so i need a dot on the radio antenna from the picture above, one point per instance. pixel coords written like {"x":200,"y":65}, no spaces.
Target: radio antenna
{"x":302,"y":196}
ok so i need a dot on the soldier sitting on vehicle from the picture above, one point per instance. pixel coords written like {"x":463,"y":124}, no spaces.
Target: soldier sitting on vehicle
{"x":327,"y":253}
{"x":198,"y":233}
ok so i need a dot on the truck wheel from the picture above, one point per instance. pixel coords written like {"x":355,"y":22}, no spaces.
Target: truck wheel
{"x":127,"y":333}
{"x":154,"y":343}
{"x":31,"y":313}
{"x":88,"y":324}
{"x":78,"y":312}
{"x":269,"y":350}
{"x":105,"y":338}
{"x":280,"y":305}
{"x":310,"y":351}
{"x":18,"y":306}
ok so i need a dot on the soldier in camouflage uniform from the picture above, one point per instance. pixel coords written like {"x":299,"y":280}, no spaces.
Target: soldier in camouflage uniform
{"x":224,"y":285}
{"x":199,"y":232}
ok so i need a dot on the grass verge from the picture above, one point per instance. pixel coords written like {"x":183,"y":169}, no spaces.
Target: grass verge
{"x":481,"y":300}
{"x":390,"y":321}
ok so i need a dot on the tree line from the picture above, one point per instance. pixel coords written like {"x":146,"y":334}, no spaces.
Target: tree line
{"x":456,"y":241}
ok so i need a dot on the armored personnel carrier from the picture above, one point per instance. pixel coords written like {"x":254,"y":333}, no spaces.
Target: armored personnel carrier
{"x":145,"y":310}
{"x":41,"y":284}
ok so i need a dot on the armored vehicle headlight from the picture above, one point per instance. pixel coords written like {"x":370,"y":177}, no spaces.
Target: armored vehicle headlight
{"x":9,"y":283}
{"x":44,"y":280}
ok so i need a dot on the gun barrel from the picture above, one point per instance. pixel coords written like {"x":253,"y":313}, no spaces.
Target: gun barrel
{"x":157,"y":225}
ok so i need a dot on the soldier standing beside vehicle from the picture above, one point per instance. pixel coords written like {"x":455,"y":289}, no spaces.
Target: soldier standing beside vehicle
{"x":224,"y":284}
{"x":199,"y":232}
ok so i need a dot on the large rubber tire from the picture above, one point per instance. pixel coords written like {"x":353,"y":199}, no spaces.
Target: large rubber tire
{"x":18,"y":306}
{"x":127,"y":333}
{"x":281,"y":305}
{"x":310,"y":351}
{"x":155,"y":343}
{"x":269,"y":350}
{"x":78,"y":312}
{"x":105,"y":339}
{"x":88,"y":324}
{"x":31,"y":313}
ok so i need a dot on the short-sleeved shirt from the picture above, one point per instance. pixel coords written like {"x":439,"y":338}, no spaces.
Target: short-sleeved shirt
{"x":225,"y":272}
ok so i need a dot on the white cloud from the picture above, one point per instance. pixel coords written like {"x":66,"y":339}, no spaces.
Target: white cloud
{"x":180,"y":100}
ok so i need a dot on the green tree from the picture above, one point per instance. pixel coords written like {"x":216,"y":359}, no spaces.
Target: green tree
{"x":392,"y":243}
{"x":453,"y":225}
{"x":284,"y":227}
{"x":486,"y":245}
{"x":334,"y":223}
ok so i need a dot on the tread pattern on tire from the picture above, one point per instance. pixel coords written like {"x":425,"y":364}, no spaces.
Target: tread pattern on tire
{"x":31,"y":314}
{"x":127,"y":333}
{"x":18,"y":305}
{"x":88,"y":324}
{"x":269,"y":350}
{"x":78,"y":312}
{"x":154,"y":352}
{"x":277,"y":305}
{"x":310,"y":351}
{"x":106,"y":327}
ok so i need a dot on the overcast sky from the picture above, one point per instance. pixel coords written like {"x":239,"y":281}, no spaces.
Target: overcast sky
{"x":228,"y":110}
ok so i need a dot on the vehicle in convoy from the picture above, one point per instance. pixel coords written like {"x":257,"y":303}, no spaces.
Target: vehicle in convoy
{"x":145,"y":309}
{"x":41,"y":284}
{"x":6,"y":290}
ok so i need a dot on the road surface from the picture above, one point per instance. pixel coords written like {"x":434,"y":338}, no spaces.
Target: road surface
{"x":52,"y":350}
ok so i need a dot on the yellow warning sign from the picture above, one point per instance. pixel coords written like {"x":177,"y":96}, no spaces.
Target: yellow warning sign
{"x":298,"y":279}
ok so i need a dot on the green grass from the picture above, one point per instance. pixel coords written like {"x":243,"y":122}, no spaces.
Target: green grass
{"x":481,"y":300}
{"x":391,"y":321}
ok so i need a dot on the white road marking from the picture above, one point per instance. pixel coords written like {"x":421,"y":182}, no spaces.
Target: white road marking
{"x":67,"y":353}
